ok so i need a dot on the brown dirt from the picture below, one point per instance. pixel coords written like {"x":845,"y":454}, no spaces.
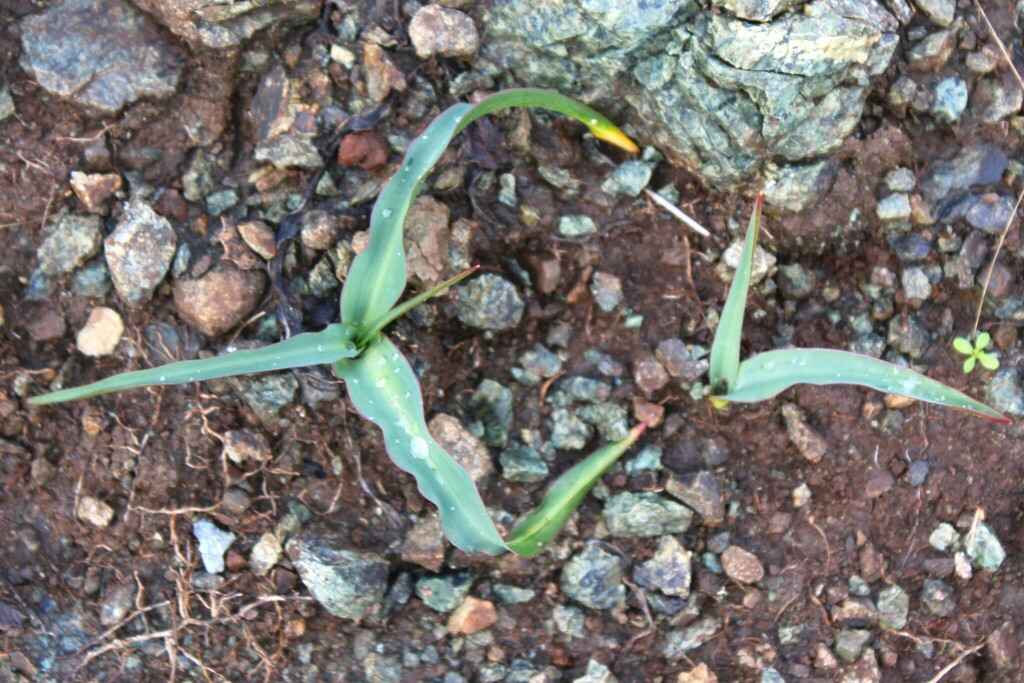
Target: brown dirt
{"x":155,"y":456}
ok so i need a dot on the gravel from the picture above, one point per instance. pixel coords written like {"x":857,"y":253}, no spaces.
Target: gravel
{"x":593,"y":578}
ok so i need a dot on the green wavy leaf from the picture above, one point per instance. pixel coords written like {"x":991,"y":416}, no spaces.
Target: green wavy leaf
{"x":311,"y":348}
{"x":384,"y":389}
{"x":766,"y":374}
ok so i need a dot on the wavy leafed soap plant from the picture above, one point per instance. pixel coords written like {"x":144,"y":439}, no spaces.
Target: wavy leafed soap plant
{"x":767,"y":374}
{"x":380,"y":382}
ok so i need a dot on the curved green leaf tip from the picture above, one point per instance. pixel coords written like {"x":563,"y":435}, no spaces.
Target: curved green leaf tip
{"x":540,"y":526}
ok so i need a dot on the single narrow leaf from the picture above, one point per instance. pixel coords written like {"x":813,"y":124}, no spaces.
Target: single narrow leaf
{"x":725,"y":349}
{"x":765,"y":375}
{"x":311,"y":348}
{"x":378,"y":274}
{"x":406,"y":306}
{"x":963,"y":346}
{"x":384,"y":389}
{"x":969,"y":364}
{"x":536,"y":529}
{"x":984,"y":339}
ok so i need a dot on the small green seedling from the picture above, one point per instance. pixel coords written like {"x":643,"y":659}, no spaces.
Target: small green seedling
{"x":379,"y":380}
{"x":976,"y":353}
{"x":767,"y":374}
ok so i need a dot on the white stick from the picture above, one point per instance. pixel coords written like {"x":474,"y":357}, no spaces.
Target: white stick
{"x":672,"y":209}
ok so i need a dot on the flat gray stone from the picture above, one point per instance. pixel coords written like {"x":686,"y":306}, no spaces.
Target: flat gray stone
{"x":99,"y":53}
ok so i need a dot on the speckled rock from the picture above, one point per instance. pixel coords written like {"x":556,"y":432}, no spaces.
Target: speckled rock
{"x":742,"y":565}
{"x":1005,"y":392}
{"x":680,"y":641}
{"x":807,"y":441}
{"x":649,"y":374}
{"x":850,"y":642}
{"x":443,"y":32}
{"x":214,"y":24}
{"x":266,"y":394}
{"x":700,"y":491}
{"x":424,"y":543}
{"x":569,"y":432}
{"x":594,"y":578}
{"x":983,"y":548}
{"x":950,"y":100}
{"x":74,"y":240}
{"x":94,"y":189}
{"x":467,"y":449}
{"x":668,"y":570}
{"x":444,"y":592}
{"x":701,"y":89}
{"x":491,"y":405}
{"x":606,"y":290}
{"x":576,"y":225}
{"x":103,"y":54}
{"x":645,"y":514}
{"x":382,"y":76}
{"x":938,"y":597}
{"x":524,"y":465}
{"x":939,"y":11}
{"x":628,"y":179}
{"x":490,"y":302}
{"x":427,"y":240}
{"x":95,"y":512}
{"x":893,"y":607}
{"x":220,"y":299}
{"x":139,"y":252}
{"x":266,"y":553}
{"x":290,"y":151}
{"x":349,"y":583}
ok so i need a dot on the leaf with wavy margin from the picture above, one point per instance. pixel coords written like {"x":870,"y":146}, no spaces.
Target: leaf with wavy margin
{"x":766,"y":374}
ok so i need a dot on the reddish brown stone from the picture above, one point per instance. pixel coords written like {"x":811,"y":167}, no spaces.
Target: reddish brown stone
{"x":364,"y":150}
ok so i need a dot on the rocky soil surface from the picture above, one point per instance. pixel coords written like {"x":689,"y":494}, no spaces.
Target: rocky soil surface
{"x":183,"y":178}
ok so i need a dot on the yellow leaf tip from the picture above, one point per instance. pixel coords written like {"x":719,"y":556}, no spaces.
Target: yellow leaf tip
{"x":614,"y":136}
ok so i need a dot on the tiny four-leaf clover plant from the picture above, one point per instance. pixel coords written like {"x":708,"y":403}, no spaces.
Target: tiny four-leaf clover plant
{"x":976,"y":353}
{"x":380,"y":381}
{"x":766,"y":374}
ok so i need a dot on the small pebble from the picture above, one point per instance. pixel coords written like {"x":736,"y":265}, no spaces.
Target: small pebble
{"x":95,"y":512}
{"x":101,"y":333}
{"x":741,"y":565}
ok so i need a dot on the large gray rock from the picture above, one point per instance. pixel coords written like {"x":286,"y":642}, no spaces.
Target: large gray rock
{"x":349,"y":583}
{"x":720,"y":95}
{"x":139,"y":252}
{"x":99,"y":53}
{"x":214,"y":23}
